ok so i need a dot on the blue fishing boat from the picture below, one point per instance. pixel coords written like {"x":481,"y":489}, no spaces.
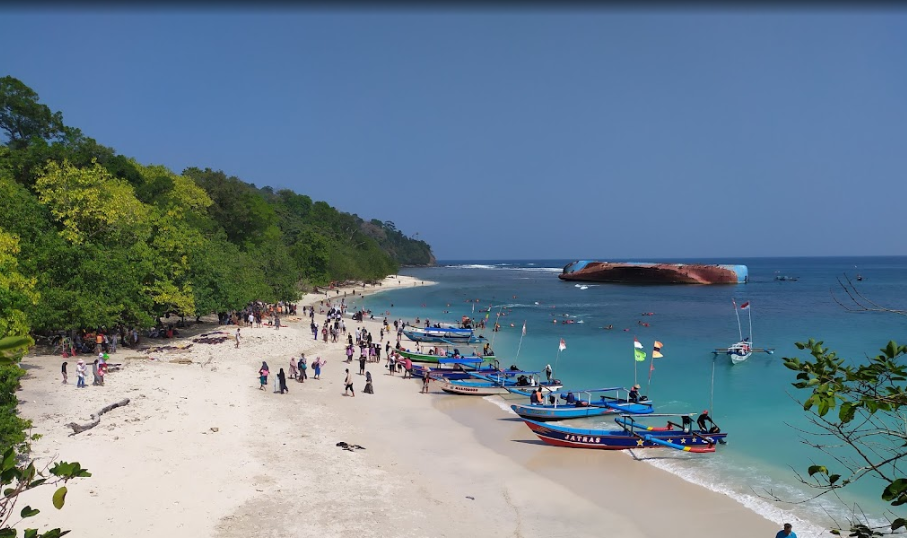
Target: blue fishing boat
{"x":582,"y":405}
{"x":631,"y":434}
{"x":461,"y":368}
{"x":496,"y":383}
{"x":443,"y":335}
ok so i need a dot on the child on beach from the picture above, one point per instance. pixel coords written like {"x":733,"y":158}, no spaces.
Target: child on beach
{"x":263,"y":375}
{"x":425,"y":380}
{"x":317,"y":365}
{"x":237,"y":337}
{"x":64,"y":372}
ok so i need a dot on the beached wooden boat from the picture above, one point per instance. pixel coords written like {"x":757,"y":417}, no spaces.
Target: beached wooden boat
{"x":586,"y":405}
{"x":496,"y":383}
{"x":632,"y":434}
{"x":417,"y":356}
{"x":442,"y":334}
{"x":455,"y":368}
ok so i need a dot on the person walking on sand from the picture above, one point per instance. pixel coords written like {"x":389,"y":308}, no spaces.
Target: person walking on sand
{"x":282,"y":378}
{"x":294,"y":370}
{"x":361,"y":364}
{"x":426,"y":378}
{"x":80,"y":372}
{"x":786,"y":532}
{"x":368,"y":384}
{"x":263,"y":375}
{"x":65,"y":378}
{"x":302,"y":368}
{"x":317,"y":366}
{"x":94,"y":373}
{"x":349,"y":384}
{"x":237,"y":337}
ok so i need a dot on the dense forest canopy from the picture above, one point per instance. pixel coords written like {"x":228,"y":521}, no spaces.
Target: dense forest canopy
{"x":106,"y":240}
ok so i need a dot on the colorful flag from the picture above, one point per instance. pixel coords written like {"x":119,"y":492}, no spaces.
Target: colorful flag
{"x":640,"y":355}
{"x":745,"y":305}
{"x":636,"y":344}
{"x":487,"y":314}
{"x":524,"y":328}
{"x":656,"y":350}
{"x":562,"y":346}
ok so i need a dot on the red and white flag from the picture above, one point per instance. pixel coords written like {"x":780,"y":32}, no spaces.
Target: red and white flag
{"x":562,"y":346}
{"x":745,"y":305}
{"x":524,"y":328}
{"x":637,"y":344}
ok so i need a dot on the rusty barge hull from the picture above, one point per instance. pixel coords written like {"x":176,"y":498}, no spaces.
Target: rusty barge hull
{"x":654,"y":273}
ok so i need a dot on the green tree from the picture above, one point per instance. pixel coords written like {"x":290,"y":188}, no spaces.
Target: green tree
{"x":858,"y":410}
{"x":22,"y":117}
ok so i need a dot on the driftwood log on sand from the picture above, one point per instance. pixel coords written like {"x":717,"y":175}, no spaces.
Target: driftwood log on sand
{"x":95,"y":418}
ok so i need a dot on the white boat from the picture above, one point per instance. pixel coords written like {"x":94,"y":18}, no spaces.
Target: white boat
{"x":742,"y":350}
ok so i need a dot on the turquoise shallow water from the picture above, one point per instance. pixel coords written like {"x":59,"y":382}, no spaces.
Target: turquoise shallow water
{"x":753,"y":401}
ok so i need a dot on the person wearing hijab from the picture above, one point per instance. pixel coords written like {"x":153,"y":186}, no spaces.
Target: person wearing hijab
{"x":294,"y":370}
{"x":282,"y":378}
{"x":94,"y":373}
{"x":368,"y":384}
{"x":317,"y":366}
{"x":263,"y":375}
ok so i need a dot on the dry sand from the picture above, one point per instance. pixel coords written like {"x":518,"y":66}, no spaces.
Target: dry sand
{"x":200,"y":451}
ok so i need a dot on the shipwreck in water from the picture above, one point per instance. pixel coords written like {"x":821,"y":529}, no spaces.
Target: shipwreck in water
{"x":654,"y":273}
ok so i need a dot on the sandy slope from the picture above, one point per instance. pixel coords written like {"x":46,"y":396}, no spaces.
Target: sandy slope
{"x":272,"y":467}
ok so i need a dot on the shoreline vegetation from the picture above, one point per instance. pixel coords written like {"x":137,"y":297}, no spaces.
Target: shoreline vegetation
{"x":201,"y":451}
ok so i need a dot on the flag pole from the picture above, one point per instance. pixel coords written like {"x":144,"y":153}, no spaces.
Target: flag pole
{"x":651,"y":369}
{"x":635,"y":381}
{"x":494,"y":330}
{"x":522,"y":334}
{"x":554,"y":375}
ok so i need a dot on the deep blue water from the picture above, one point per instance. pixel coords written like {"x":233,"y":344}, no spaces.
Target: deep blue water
{"x":753,"y":401}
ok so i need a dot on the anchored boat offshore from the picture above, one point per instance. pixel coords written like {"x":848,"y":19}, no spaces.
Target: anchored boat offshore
{"x":654,"y":273}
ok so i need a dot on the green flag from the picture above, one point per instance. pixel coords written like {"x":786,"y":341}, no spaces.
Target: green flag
{"x":640,"y":355}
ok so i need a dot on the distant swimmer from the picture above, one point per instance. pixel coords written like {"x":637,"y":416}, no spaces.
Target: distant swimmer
{"x":608,"y":328}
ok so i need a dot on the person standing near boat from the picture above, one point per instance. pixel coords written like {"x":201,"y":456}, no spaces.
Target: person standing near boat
{"x":633,"y":396}
{"x":426,"y":378}
{"x":786,"y":532}
{"x":548,"y":370}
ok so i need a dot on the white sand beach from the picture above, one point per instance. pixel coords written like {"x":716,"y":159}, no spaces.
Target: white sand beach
{"x":200,"y":451}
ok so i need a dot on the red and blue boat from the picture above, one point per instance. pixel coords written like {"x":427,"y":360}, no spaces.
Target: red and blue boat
{"x":632,"y":434}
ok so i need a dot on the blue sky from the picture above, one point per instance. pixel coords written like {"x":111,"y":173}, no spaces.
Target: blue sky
{"x":513,"y":134}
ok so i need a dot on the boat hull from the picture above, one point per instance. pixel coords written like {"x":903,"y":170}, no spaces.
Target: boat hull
{"x":544,"y":413}
{"x":450,"y":373}
{"x":482,"y":388}
{"x":440,"y":336}
{"x":623,"y":440}
{"x":654,"y":273}
{"x":427,"y":358}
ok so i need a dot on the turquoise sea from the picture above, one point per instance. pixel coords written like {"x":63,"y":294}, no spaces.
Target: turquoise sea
{"x":753,"y":401}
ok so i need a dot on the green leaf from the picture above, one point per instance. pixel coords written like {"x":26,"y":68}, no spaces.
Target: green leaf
{"x":898,"y":523}
{"x":28,"y":511}
{"x":895,"y":489}
{"x":7,"y":533}
{"x":60,"y":497}
{"x":813,"y":469}
{"x":30,"y":533}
